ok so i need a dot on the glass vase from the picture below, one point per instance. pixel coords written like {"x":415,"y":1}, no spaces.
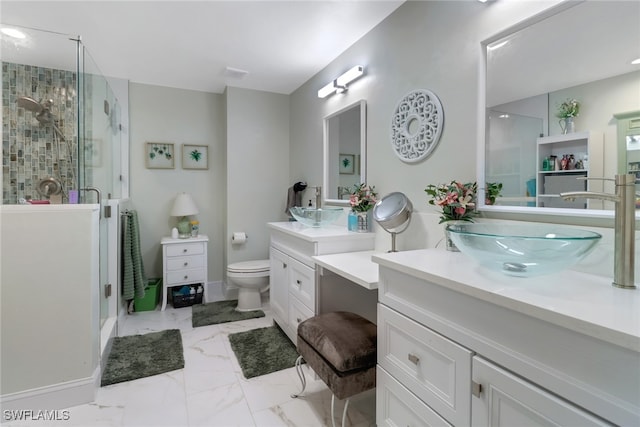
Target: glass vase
{"x":365,"y":220}
{"x":448,"y":243}
{"x":567,"y":125}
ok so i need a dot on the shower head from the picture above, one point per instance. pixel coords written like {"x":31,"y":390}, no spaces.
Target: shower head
{"x":30,"y":104}
{"x":42,"y":109}
{"x":45,"y":116}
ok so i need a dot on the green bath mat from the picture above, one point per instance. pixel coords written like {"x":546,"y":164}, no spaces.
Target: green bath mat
{"x":262,"y":351}
{"x":220,"y":312}
{"x":140,"y":356}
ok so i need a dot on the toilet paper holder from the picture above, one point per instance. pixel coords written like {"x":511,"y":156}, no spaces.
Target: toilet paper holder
{"x":239,"y":237}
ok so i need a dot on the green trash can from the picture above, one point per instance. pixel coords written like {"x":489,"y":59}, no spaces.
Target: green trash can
{"x":151,"y":296}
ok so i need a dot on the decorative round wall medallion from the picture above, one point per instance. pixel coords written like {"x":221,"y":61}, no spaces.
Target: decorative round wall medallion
{"x":416,"y":125}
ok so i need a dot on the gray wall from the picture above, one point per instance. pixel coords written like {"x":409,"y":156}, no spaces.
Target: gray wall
{"x":422,"y":45}
{"x":160,"y":114}
{"x":257,"y":169}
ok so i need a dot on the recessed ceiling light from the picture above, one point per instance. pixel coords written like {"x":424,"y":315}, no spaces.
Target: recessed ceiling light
{"x":12,"y":32}
{"x":235,"y":73}
{"x":636,"y":61}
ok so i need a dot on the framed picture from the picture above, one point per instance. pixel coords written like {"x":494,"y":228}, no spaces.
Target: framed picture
{"x":195,"y":156}
{"x":159,"y":155}
{"x":347,"y":165}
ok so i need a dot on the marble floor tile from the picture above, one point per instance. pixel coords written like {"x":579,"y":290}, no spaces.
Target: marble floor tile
{"x":211,"y":390}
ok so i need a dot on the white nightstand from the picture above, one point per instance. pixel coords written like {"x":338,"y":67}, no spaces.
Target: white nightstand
{"x":184,"y":262}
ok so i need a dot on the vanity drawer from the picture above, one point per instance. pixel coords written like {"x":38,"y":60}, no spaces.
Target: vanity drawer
{"x":188,"y":262}
{"x":302,"y":283}
{"x":183,"y":249}
{"x":397,"y":406}
{"x":434,"y":368}
{"x":298,"y":312}
{"x":185,"y":276}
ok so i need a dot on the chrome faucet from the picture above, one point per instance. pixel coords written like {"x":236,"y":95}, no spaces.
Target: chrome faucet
{"x":624,"y":226}
{"x":318,"y":197}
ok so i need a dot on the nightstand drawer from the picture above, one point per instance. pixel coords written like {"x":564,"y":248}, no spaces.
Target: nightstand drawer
{"x":185,"y":276}
{"x":187,"y":262}
{"x":183,"y":249}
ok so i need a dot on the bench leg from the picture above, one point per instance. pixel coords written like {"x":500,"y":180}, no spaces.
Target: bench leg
{"x":300,"y":373}
{"x":344,"y":412}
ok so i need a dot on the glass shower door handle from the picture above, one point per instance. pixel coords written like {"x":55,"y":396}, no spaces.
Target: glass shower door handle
{"x":98,"y":194}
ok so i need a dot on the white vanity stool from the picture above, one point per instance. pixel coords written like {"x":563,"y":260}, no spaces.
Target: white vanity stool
{"x":184,"y":262}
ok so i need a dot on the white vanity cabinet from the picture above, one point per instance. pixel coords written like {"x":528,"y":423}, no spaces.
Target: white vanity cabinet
{"x":506,"y":400}
{"x":460,"y":345}
{"x":292,"y":290}
{"x":294,"y":277}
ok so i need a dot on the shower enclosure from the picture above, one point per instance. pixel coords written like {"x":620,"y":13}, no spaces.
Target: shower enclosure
{"x":61,"y":134}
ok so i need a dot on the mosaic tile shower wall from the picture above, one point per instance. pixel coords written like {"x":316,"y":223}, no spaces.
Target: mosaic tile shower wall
{"x":33,"y":151}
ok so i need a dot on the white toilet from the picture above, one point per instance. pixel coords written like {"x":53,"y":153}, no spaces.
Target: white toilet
{"x":252,"y":278}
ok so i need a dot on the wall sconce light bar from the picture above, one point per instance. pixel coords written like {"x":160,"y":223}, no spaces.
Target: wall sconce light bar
{"x":327,"y":90}
{"x":339,"y":85}
{"x":350,"y":75}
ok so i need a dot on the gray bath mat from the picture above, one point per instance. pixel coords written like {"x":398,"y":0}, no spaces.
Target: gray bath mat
{"x":139,"y":356}
{"x":220,"y":312}
{"x":262,"y":351}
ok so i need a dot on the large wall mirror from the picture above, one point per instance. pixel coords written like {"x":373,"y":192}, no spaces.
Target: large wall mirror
{"x":579,"y":51}
{"x":345,"y":152}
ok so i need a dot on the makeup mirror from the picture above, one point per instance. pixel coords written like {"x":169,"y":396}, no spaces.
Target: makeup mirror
{"x":393,"y":213}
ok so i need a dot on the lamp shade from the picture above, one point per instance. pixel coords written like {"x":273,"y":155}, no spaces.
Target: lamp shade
{"x":184,"y":205}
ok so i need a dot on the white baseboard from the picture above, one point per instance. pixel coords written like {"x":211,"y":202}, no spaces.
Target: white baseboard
{"x":108,"y":331}
{"x":216,"y":291}
{"x":229,"y":291}
{"x":56,"y":396}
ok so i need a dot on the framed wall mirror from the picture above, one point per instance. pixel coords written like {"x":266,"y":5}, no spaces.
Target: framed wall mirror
{"x":345,"y":152}
{"x":580,"y":51}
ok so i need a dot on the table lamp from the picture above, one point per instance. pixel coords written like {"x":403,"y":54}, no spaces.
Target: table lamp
{"x":183,"y":206}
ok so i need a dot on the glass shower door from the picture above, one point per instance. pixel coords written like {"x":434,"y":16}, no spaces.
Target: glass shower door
{"x":100,"y":168}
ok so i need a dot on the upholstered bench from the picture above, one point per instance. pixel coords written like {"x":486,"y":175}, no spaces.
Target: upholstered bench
{"x":340,"y":347}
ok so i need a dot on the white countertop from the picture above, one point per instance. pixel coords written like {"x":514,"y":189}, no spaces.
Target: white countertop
{"x":355,"y":266}
{"x":581,"y":302}
{"x":315,"y":234}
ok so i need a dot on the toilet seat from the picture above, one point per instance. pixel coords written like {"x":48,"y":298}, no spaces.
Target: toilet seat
{"x":257,"y":266}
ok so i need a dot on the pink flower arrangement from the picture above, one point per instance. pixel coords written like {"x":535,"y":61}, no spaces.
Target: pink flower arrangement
{"x":363,"y":198}
{"x":457,"y":200}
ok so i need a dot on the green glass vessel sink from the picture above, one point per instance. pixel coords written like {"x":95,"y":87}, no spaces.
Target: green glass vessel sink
{"x":523,"y":249}
{"x":312,"y":217}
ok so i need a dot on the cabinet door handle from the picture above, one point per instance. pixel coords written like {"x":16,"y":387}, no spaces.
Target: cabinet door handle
{"x":476,"y":388}
{"x":185,"y":250}
{"x":186,"y":263}
{"x":186,"y":277}
{"x":299,"y":282}
{"x":414,"y":359}
{"x":284,"y":265}
{"x":298,"y":319}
